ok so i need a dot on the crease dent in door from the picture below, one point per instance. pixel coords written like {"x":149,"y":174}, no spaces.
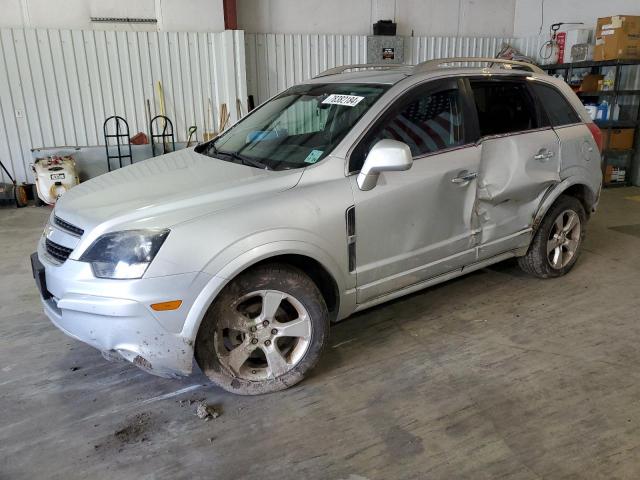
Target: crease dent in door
{"x":511,"y":181}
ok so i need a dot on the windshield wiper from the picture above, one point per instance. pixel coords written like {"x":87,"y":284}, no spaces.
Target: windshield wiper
{"x":213,"y":151}
{"x":212,"y":148}
{"x":244,"y":160}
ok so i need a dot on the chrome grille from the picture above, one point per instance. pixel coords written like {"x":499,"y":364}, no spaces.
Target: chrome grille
{"x":66,"y":226}
{"x":57,"y":251}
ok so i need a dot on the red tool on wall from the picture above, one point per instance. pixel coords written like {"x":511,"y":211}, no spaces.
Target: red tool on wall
{"x":552,"y":51}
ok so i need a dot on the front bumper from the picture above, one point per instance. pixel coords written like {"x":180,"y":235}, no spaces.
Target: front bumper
{"x":115,"y":316}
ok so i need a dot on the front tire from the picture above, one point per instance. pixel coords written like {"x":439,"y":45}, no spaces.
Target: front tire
{"x":556,"y":244}
{"x":264,"y":332}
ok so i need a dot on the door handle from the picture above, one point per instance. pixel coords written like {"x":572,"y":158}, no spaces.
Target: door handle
{"x":543,"y":155}
{"x":464,"y":177}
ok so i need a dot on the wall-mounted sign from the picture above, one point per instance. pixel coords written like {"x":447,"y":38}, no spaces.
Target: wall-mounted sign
{"x":385,"y":49}
{"x":388,"y":53}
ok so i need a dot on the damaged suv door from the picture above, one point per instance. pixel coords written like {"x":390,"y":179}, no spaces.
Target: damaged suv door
{"x":416,"y":224}
{"x":519,"y":162}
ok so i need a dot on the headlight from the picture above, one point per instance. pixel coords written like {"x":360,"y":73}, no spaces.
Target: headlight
{"x":124,"y":255}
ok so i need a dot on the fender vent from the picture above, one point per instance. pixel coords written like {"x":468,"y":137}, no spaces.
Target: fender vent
{"x":351,"y":236}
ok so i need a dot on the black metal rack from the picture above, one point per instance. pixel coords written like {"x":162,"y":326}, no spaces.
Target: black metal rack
{"x":615,"y":93}
{"x":165,"y":134}
{"x":118,"y":135}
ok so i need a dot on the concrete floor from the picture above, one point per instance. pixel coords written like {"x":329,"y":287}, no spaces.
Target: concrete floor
{"x":494,"y":375}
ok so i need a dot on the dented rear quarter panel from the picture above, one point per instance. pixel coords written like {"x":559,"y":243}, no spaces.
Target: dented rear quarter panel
{"x":580,"y":160}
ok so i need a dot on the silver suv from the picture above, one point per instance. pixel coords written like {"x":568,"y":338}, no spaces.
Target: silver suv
{"x":354,"y":188}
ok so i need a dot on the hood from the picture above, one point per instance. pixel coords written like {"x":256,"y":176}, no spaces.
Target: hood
{"x":178,"y":187}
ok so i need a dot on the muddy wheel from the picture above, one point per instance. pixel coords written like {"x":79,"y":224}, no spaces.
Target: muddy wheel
{"x":264,"y":332}
{"x":556,"y":245}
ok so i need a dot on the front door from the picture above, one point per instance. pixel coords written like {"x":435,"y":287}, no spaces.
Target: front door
{"x":416,"y":224}
{"x":519,"y":162}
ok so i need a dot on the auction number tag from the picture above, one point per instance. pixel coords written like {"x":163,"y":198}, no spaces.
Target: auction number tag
{"x":344,"y":100}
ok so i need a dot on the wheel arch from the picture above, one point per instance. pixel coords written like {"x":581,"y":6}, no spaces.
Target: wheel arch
{"x":576,"y":188}
{"x":318,"y":273}
{"x":584,"y":194}
{"x":320,"y":267}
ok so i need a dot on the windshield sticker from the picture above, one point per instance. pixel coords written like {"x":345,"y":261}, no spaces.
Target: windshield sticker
{"x":344,"y":100}
{"x":313,"y":156}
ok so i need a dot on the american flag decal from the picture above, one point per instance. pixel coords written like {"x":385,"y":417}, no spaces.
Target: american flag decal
{"x":428,"y":124}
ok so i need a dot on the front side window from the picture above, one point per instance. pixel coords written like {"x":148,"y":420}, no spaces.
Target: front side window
{"x":426,"y":121}
{"x":503,"y":107}
{"x":296,"y":129}
{"x":557,"y":108}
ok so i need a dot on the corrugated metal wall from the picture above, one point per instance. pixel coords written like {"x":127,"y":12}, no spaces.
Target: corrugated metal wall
{"x":277,"y":61}
{"x":531,"y":46}
{"x":58,"y":86}
{"x":420,"y":49}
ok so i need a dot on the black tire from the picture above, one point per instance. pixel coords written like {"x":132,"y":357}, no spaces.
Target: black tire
{"x":537,"y":261}
{"x":212,"y":349}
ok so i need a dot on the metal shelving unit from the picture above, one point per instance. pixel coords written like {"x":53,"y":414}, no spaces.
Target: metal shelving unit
{"x":608,"y":155}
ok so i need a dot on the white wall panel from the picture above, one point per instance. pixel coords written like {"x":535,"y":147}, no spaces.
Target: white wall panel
{"x":529,"y":14}
{"x":171,"y":15}
{"x":58,"y":86}
{"x":422,"y":17}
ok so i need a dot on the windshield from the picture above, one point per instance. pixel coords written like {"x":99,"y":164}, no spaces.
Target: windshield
{"x":297,"y":128}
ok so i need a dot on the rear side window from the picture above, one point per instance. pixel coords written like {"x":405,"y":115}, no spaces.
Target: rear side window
{"x":426,"y":121}
{"x":504,"y":107}
{"x":557,"y":108}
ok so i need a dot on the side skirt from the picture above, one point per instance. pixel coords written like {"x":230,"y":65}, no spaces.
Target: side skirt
{"x":435,"y":280}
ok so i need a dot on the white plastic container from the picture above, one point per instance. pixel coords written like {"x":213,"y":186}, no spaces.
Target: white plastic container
{"x":54,"y":176}
{"x":592,"y":110}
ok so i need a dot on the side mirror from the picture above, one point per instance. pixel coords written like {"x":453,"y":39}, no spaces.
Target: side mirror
{"x":385,"y":156}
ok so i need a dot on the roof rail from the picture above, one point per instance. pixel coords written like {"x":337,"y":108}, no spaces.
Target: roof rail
{"x":434,"y":64}
{"x":342,"y":68}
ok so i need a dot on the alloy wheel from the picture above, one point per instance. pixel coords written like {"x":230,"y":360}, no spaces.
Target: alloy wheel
{"x":263,"y":335}
{"x":564,"y":239}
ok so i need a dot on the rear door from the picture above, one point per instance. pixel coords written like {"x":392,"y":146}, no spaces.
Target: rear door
{"x":576,"y":141}
{"x":519,"y":161}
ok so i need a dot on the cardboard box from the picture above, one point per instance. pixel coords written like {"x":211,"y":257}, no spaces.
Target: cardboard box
{"x":621,"y":138}
{"x":590,"y":83}
{"x":617,"y":37}
{"x":614,"y":174}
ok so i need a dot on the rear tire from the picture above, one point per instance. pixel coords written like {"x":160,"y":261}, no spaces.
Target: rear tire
{"x":264,"y":332}
{"x":556,"y":244}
